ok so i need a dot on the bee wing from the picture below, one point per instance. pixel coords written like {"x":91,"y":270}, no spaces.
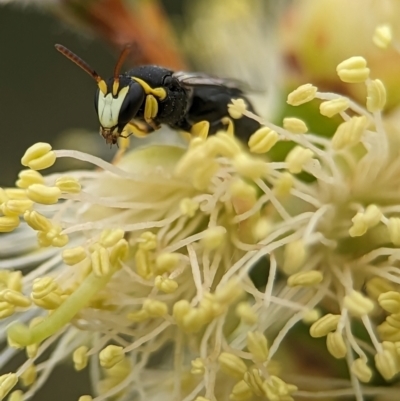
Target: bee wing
{"x":190,"y":79}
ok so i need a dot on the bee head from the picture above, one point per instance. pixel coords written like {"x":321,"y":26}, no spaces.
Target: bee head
{"x":117,"y":100}
{"x":117,"y":105}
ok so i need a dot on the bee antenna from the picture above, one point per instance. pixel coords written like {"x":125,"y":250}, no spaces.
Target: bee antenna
{"x":126,"y":50}
{"x":83,"y":65}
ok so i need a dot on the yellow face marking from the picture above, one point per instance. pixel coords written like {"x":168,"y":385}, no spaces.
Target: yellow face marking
{"x":109,"y":108}
{"x":160,"y":93}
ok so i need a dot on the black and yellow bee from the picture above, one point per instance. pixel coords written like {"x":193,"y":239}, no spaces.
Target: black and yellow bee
{"x":145,"y":97}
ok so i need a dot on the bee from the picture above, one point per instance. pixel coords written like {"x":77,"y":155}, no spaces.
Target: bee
{"x":139,"y":101}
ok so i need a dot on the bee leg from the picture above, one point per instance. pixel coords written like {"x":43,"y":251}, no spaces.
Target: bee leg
{"x":200,"y":129}
{"x":138,"y":131}
{"x":150,"y":111}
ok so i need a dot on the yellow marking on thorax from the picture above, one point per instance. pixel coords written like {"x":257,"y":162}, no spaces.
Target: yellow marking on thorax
{"x":160,"y":93}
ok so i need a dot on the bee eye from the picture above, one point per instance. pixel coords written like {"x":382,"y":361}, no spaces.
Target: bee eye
{"x":131,"y":104}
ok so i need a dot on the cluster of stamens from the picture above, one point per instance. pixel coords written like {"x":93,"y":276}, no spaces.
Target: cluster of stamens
{"x":157,"y":253}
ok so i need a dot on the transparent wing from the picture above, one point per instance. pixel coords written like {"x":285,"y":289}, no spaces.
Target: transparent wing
{"x":191,"y":79}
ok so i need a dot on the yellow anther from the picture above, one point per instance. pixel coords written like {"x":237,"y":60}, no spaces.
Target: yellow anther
{"x":284,"y":184}
{"x":15,"y":193}
{"x":100,"y":262}
{"x":14,"y":280}
{"x":73,"y":256}
{"x":376,"y":95}
{"x":305,"y":279}
{"x":52,"y":237}
{"x":119,"y":252}
{"x":335,"y":106}
{"x":222,"y":144}
{"x":353,"y":70}
{"x":157,"y":92}
{"x":386,"y":364}
{"x":302,"y":94}
{"x":232,"y":365}
{"x":29,"y":177}
{"x":358,"y":304}
{"x":68,"y":184}
{"x":39,"y":156}
{"x":246,"y":313}
{"x":151,"y":108}
{"x":14,"y":298}
{"x":143,"y":264}
{"x":138,"y":316}
{"x":165,"y":285}
{"x":249,"y":167}
{"x":37,"y":221}
{"x":276,"y":389}
{"x":349,"y":133}
{"x":188,"y":207}
{"x":29,"y":376}
{"x":213,"y":237}
{"x":16,"y":207}
{"x":378,"y":285}
{"x":336,"y":345}
{"x":180,"y":310}
{"x":167,"y":262}
{"x":394,"y":320}
{"x":203,"y":175}
{"x":244,"y":193}
{"x":32,"y":349}
{"x":295,"y":125}
{"x":372,"y":216}
{"x":200,"y":398}
{"x":237,"y":108}
{"x":295,"y":254}
{"x":241,"y":392}
{"x":80,"y":358}
{"x":155,"y":308}
{"x":45,"y":195}
{"x":394,"y":230}
{"x":198,"y":367}
{"x":148,"y":241}
{"x":195,"y":319}
{"x":361,"y":370}
{"x":390,"y":301}
{"x":229,"y":293}
{"x":85,"y":398}
{"x":388,"y":332}
{"x":6,"y":309}
{"x":383,"y":36}
{"x":359,"y":226}
{"x":297,"y":158}
{"x":200,"y":132}
{"x":324,"y":325}
{"x":262,"y":228}
{"x":8,"y":223}
{"x":44,"y":286}
{"x":254,"y":380}
{"x":110,"y":238}
{"x":311,"y":316}
{"x":111,"y":355}
{"x":16,"y":395}
{"x":3,"y":196}
{"x":263,"y":140}
{"x":258,"y":346}
{"x":7,"y":382}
